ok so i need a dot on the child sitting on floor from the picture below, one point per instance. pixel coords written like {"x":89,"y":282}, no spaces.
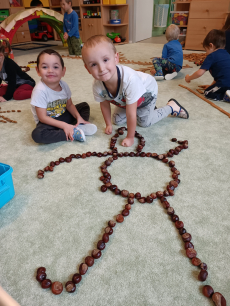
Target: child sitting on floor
{"x":19,"y":85}
{"x":56,"y":117}
{"x":218,"y":64}
{"x":171,"y":62}
{"x":134,"y":93}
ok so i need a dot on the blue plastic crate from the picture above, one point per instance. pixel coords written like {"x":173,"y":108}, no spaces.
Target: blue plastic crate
{"x":6,"y":184}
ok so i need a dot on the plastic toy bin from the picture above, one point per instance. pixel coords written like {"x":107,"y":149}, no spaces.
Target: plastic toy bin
{"x":6,"y":184}
{"x":4,"y":14}
{"x":180,"y":18}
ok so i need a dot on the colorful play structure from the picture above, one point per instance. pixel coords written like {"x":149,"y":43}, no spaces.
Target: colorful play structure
{"x":11,"y":24}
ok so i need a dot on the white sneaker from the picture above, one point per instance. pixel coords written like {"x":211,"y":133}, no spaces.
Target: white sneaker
{"x":88,"y":128}
{"x":158,"y":77}
{"x":226,"y":97}
{"x":170,"y":76}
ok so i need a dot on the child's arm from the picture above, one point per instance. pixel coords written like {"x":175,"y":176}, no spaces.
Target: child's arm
{"x":195,"y":75}
{"x":74,"y":25}
{"x":131,"y":115}
{"x":106,"y":112}
{"x":67,"y":128}
{"x":164,"y":52}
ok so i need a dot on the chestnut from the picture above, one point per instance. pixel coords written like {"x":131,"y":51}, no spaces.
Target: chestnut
{"x":111,"y":223}
{"x":79,"y":155}
{"x":203,"y":266}
{"x":40,"y":172}
{"x":126,"y":154}
{"x":132,"y":195}
{"x":182,"y":231}
{"x":171,"y":163}
{"x":148,"y":154}
{"x":170,"y":211}
{"x":128,"y":206}
{"x":103,"y":188}
{"x":166,"y":205}
{"x":72,"y":156}
{"x":83,"y":155}
{"x":196,"y":261}
{"x":76,"y":278}
{"x":179,"y":224}
{"x":57,"y":288}
{"x":188,"y":245}
{"x":83,"y":268}
{"x":105,"y":238}
{"x":175,"y":218}
{"x":108,"y":184}
{"x":154,"y":155}
{"x":130,"y":201}
{"x":218,"y":299}
{"x":120,"y":218}
{"x":108,"y":230}
{"x":46,"y":283}
{"x":89,"y":260}
{"x":70,"y":287}
{"x":160,"y":157}
{"x":141,"y":200}
{"x":124,"y":193}
{"x":149,"y":199}
{"x":191,"y":253}
{"x":186,"y":237}
{"x":41,"y":276}
{"x":57,"y":163}
{"x":203,"y":275}
{"x":142,"y":154}
{"x":41,"y":270}
{"x":96,"y":253}
{"x":46,"y":169}
{"x":165,"y":160}
{"x":131,"y":154}
{"x":40,"y":176}
{"x":153,"y":196}
{"x":88,"y":154}
{"x":207,"y":291}
{"x":113,"y":187}
{"x":117,"y":191}
{"x":101,"y":245}
{"x":174,"y":139}
{"x":166,"y":193}
{"x":171,"y":192}
{"x":125,"y":212}
{"x":159,"y":194}
{"x":137,"y":195}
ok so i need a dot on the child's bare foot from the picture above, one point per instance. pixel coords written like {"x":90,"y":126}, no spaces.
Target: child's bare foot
{"x":153,"y":71}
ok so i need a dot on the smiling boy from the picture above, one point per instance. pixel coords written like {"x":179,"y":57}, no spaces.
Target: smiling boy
{"x":56,"y":117}
{"x":134,"y":93}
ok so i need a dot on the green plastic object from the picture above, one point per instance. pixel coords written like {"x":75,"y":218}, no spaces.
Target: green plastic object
{"x":112,"y":35}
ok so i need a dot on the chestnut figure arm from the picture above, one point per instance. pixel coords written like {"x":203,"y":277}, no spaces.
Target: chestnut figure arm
{"x":106,"y":112}
{"x":131,"y":115}
{"x":195,"y":75}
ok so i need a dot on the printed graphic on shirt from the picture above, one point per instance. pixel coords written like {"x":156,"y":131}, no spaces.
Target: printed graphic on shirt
{"x":144,"y":100}
{"x":56,"y":108}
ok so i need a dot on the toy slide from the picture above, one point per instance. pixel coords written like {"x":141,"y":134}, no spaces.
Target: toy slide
{"x":11,"y":24}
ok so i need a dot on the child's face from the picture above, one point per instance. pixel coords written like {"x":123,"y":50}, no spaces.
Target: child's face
{"x":101,"y":61}
{"x":66,"y":6}
{"x":50,"y":69}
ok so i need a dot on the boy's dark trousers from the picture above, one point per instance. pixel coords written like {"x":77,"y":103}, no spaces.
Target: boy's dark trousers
{"x":44,"y":133}
{"x":74,"y":45}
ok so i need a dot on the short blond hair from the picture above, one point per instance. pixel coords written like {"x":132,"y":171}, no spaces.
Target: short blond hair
{"x":95,"y":40}
{"x":172,"y":32}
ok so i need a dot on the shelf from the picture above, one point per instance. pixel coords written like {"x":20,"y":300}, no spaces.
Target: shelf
{"x":56,"y":6}
{"x":114,"y":25}
{"x":182,"y":34}
{"x":88,"y":5}
{"x":176,"y":2}
{"x":121,"y":43}
{"x":115,"y":4}
{"x":182,"y":26}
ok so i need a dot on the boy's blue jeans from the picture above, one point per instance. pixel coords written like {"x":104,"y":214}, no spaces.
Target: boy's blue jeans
{"x":164,"y":66}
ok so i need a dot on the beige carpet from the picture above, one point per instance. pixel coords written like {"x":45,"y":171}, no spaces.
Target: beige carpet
{"x":57,"y":221}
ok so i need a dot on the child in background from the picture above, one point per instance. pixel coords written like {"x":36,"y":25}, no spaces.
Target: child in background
{"x":70,"y":27}
{"x":134,"y":93}
{"x":226,"y":28}
{"x":56,"y":117}
{"x":218,"y":64}
{"x":171,"y":62}
{"x":36,"y":3}
{"x":8,"y":50}
{"x":19,"y":84}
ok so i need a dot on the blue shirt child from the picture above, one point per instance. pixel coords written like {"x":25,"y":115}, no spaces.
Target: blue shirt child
{"x":70,"y":24}
{"x":173,"y":52}
{"x":218,"y":64}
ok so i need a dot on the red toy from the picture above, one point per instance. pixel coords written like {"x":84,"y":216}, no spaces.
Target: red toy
{"x":44,"y":32}
{"x":117,"y":39}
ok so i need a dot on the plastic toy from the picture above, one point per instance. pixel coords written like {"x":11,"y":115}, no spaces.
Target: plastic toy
{"x":112,"y":35}
{"x":117,"y":39}
{"x":44,"y":32}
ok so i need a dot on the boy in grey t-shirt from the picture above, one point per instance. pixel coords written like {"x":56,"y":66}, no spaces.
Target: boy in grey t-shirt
{"x":56,"y":117}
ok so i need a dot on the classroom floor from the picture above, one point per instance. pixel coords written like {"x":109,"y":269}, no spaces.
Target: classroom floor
{"x":56,"y":222}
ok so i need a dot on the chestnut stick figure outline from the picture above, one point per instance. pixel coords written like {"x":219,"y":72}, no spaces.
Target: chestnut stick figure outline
{"x":191,"y":253}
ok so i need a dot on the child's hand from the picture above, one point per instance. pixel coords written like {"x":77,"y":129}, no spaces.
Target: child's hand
{"x":127,"y":142}
{"x":187,"y":78}
{"x":81,"y":120}
{"x":2,"y":99}
{"x":65,"y":36}
{"x":204,"y":86}
{"x":108,"y":129}
{"x":68,"y":129}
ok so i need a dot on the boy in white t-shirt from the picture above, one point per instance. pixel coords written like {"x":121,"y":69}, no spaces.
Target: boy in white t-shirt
{"x":56,"y":117}
{"x":134,"y":93}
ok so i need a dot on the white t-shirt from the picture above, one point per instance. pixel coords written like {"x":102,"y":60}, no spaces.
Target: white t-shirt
{"x":133,"y":86}
{"x":53,"y":101}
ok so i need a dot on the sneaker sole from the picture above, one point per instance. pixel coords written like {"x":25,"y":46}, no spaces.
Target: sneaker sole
{"x":170,"y":76}
{"x":158,"y":77}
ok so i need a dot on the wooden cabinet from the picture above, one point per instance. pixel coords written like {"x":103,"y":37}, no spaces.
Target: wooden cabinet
{"x":23,"y":32}
{"x":204,"y":15}
{"x":91,"y":27}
